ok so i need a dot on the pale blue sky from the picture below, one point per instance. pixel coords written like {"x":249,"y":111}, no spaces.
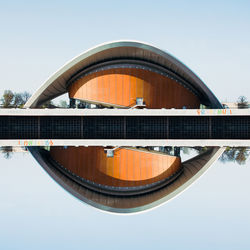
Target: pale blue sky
{"x":36,"y":213}
{"x":210,"y":37}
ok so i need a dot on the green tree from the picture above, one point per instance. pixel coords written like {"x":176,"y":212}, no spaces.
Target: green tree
{"x":14,"y":100}
{"x":7,"y":99}
{"x":25,"y":96}
{"x":17,"y":100}
{"x":21,"y":98}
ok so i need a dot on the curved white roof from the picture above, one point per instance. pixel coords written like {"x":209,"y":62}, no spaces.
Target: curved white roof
{"x":56,"y":85}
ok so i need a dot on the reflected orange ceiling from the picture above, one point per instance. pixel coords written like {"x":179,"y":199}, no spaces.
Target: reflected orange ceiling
{"x":129,"y":166}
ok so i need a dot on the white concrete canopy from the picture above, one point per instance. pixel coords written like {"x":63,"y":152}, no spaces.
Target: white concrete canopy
{"x":56,"y":85}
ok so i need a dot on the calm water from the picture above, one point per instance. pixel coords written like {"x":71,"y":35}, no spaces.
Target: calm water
{"x":36,"y":213}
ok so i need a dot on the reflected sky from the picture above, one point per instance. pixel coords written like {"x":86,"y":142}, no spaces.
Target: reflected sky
{"x":38,"y":213}
{"x":211,"y":37}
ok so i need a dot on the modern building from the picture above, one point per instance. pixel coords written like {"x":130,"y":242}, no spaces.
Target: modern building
{"x":124,"y":75}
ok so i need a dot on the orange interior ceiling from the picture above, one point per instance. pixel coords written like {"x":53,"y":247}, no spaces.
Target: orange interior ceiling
{"x":121,"y":87}
{"x":129,"y":166}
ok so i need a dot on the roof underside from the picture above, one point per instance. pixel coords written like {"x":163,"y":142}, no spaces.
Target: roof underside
{"x":193,"y":169}
{"x":56,"y":85}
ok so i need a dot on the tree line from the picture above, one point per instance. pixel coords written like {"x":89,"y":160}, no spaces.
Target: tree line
{"x":13,"y":99}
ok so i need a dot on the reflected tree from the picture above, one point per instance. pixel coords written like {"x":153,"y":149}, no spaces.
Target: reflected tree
{"x":185,"y":150}
{"x":200,"y":149}
{"x":7,"y":152}
{"x":238,"y":155}
{"x":188,"y":150}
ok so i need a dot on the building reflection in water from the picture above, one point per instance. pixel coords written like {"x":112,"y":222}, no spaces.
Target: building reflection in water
{"x":100,"y":189}
{"x":133,"y":185}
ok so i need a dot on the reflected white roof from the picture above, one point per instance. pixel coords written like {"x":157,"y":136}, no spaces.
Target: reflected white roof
{"x":193,"y":169}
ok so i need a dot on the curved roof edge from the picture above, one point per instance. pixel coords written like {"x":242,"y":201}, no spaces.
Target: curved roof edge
{"x":109,"y":203}
{"x":56,"y":84}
